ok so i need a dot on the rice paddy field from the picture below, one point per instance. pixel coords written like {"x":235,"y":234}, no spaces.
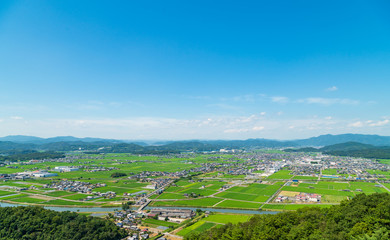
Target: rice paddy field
{"x":199,"y":226}
{"x":281,"y":175}
{"x":213,"y":220}
{"x":212,"y":189}
{"x":281,"y":207}
{"x":157,"y":223}
{"x":335,"y":192}
{"x":202,"y":202}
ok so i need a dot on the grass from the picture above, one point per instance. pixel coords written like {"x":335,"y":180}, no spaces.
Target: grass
{"x":238,"y":204}
{"x":293,"y":206}
{"x":77,"y":196}
{"x":173,"y":189}
{"x":202,"y":192}
{"x":329,"y":171}
{"x":247,"y":196}
{"x":5,"y":193}
{"x":28,"y":200}
{"x":282,"y":174}
{"x":199,"y":226}
{"x":384,"y":161}
{"x":243,"y":196}
{"x":305,"y":178}
{"x":203,"y":202}
{"x":318,"y":191}
{"x":160,"y":223}
{"x":10,"y":198}
{"x":58,"y":193}
{"x":171,"y":196}
{"x":227,"y":218}
{"x":332,"y":198}
{"x":64,"y":202}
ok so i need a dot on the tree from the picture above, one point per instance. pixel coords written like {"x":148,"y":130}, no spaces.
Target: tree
{"x":118,"y":174}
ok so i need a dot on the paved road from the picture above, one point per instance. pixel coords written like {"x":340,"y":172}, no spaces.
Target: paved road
{"x":150,"y":194}
{"x":383,"y":186}
{"x":276,"y":193}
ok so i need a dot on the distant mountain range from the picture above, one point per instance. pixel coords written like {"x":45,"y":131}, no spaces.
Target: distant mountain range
{"x":18,"y":143}
{"x":38,"y":140}
{"x":351,"y":149}
{"x":325,"y":140}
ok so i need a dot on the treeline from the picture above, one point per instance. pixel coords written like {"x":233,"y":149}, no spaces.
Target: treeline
{"x":118,"y":174}
{"x":350,"y":149}
{"x":37,"y":223}
{"x":364,"y":153}
{"x":363,"y":217}
{"x":175,"y":147}
{"x":31,"y":155}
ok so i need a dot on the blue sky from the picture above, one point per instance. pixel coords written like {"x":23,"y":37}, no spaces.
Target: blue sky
{"x":194,"y":69}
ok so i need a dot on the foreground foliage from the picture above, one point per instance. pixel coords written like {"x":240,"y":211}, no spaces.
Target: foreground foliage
{"x":364,"y":217}
{"x":39,"y":223}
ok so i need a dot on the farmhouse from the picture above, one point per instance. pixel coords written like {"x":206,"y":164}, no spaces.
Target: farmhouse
{"x":179,"y":213}
{"x":65,"y":169}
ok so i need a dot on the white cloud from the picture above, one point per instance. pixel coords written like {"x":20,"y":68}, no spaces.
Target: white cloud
{"x":207,"y":127}
{"x":356,"y":124}
{"x":263,"y":113}
{"x":332,"y":89}
{"x":16,"y":118}
{"x":279,"y":99}
{"x":328,"y":101}
{"x":236,"y":130}
{"x":379,"y":123}
{"x":258,"y":128}
{"x":369,"y":123}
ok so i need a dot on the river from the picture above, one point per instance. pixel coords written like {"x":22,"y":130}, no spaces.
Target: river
{"x":101,"y":210}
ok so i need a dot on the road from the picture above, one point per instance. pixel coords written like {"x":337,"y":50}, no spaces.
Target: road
{"x":146,"y":198}
{"x":383,"y":186}
{"x":276,"y":193}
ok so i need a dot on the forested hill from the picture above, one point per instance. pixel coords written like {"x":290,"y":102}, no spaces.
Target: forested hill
{"x":37,"y":223}
{"x":357,"y":145}
{"x":351,"y":149}
{"x":363,"y":217}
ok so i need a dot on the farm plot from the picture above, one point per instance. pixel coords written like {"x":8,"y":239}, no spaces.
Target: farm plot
{"x":27,"y":199}
{"x":227,"y":218}
{"x":243,"y":196}
{"x":318,"y":191}
{"x":330,"y":171}
{"x":199,"y":226}
{"x":13,"y":197}
{"x":64,"y":202}
{"x":238,"y":204}
{"x":171,"y":196}
{"x":305,"y":178}
{"x":205,"y":188}
{"x":5,"y":193}
{"x":203,"y":202}
{"x":160,"y":223}
{"x":58,"y":193}
{"x":365,"y":187}
{"x":77,"y":196}
{"x":254,"y":192}
{"x":282,"y":175}
{"x":292,"y":206}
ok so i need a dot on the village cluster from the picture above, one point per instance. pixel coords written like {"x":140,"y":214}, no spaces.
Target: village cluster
{"x":130,"y":220}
